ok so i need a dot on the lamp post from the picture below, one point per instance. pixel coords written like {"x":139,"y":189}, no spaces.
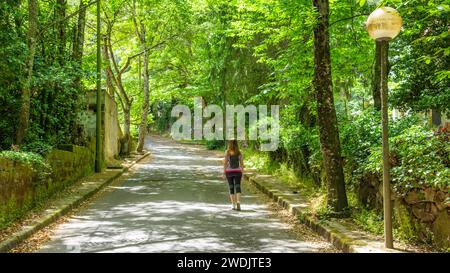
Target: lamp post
{"x":98,"y":157}
{"x":383,"y":25}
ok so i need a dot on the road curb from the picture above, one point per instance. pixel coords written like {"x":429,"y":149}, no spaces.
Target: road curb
{"x":86,"y":190}
{"x":347,"y":240}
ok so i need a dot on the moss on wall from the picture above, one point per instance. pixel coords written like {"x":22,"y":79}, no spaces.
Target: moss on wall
{"x":405,"y":226}
{"x":21,"y":188}
{"x":69,"y":166}
{"x":441,"y":229}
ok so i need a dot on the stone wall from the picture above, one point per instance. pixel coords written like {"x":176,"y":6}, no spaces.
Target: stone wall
{"x":21,"y":187}
{"x":70,"y":163}
{"x":423,"y":213}
{"x":16,"y":188}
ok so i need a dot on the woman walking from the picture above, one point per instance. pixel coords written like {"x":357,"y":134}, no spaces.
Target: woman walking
{"x":233,"y":167}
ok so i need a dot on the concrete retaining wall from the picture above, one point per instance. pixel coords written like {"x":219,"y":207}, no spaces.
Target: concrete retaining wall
{"x":111,"y":131}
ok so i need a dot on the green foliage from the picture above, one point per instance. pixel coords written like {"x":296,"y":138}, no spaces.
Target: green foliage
{"x":419,"y":159}
{"x":302,"y":147}
{"x":56,"y":109}
{"x":161,"y":115}
{"x":215,"y":144}
{"x":369,"y":220}
{"x":297,"y":137}
{"x":55,"y":99}
{"x":361,"y":138}
{"x":259,"y":161}
{"x":364,"y":131}
{"x":359,"y":135}
{"x":241,"y":52}
{"x":422,"y":68}
{"x":38,"y":147}
{"x":13,"y":52}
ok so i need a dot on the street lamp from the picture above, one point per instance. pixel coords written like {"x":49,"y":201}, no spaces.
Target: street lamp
{"x":383,"y":25}
{"x":98,"y":125}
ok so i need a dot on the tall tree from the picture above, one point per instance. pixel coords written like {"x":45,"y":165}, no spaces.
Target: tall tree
{"x":145,"y":105}
{"x":141,"y":33}
{"x":326,"y":113}
{"x":24,"y":115}
{"x":154,"y":30}
{"x":125,"y":100}
{"x":110,"y":88}
{"x":115,"y":72}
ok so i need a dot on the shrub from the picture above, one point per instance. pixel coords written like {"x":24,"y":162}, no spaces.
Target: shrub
{"x":369,"y":220}
{"x":419,"y":159}
{"x":361,"y":142}
{"x":363,"y":133}
{"x":302,"y":146}
{"x":38,"y":147}
{"x":359,"y":135}
{"x":215,"y":144}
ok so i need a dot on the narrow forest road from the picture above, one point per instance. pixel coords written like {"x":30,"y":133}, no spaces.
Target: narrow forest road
{"x":176,"y":201}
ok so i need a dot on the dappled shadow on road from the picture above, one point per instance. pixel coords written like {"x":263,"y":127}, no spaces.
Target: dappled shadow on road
{"x":175,"y":202}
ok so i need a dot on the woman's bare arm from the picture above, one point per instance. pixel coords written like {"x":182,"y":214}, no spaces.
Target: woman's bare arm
{"x":242,"y":162}
{"x":225,"y":163}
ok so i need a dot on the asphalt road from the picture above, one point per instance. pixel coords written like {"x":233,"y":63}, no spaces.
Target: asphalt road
{"x":177,"y":201}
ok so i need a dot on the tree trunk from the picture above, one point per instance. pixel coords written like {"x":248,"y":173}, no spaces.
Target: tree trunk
{"x":78,"y":43}
{"x":125,"y":101}
{"x":142,"y":36}
{"x":145,"y":106}
{"x":126,"y":107}
{"x":126,"y":140}
{"x":26,"y":90}
{"x":127,"y":121}
{"x":108,"y":72}
{"x":327,"y":121}
{"x":61,"y":29}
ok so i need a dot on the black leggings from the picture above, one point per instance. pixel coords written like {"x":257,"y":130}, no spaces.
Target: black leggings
{"x":234,"y":182}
